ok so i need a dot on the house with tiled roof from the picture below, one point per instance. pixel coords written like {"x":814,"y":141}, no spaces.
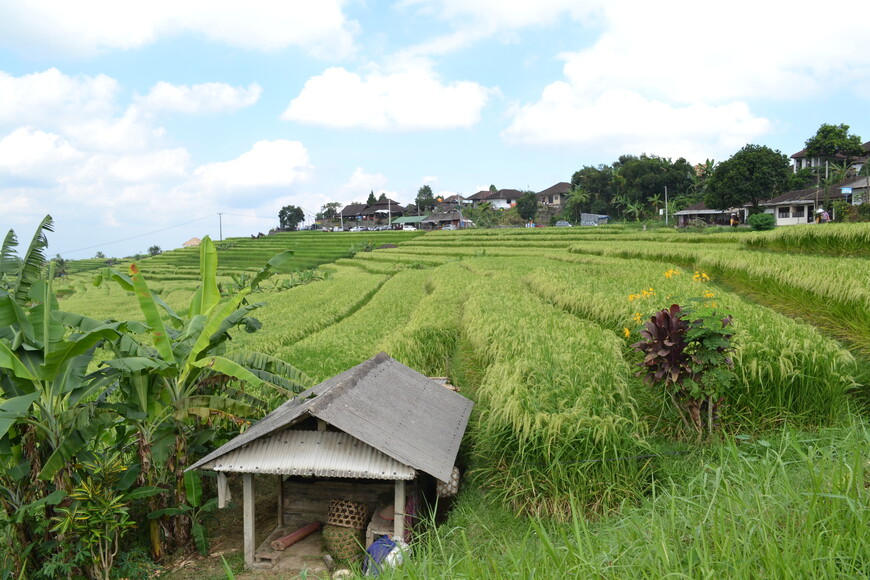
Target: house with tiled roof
{"x":478,"y":198}
{"x":800,"y":206}
{"x":504,"y":198}
{"x":800,"y":160}
{"x":555,"y":195}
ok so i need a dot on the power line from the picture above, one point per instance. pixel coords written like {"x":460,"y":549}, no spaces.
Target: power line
{"x":136,"y":236}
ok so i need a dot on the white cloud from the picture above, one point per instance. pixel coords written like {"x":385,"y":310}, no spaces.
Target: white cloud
{"x":360,"y":184}
{"x":408,"y":99}
{"x":31,"y":154}
{"x":620,"y":121}
{"x":87,"y":27}
{"x":198,"y":99}
{"x":269,"y":164}
{"x":51,"y":98}
{"x":665,"y":82}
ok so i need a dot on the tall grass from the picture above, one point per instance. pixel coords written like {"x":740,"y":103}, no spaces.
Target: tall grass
{"x":428,"y":341}
{"x":353,"y":339}
{"x":795,"y":504}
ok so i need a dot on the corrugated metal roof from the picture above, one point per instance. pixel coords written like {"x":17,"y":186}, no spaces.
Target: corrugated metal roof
{"x":312,"y":453}
{"x":383,"y":403}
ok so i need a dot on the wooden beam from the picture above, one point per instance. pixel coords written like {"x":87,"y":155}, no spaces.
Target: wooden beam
{"x":399,"y":510}
{"x":248,"y":516}
{"x":280,"y":501}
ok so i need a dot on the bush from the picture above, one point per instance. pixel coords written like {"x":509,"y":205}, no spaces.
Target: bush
{"x":762,"y":221}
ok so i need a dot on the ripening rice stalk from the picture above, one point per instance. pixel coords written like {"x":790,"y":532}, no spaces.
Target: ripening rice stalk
{"x":427,"y":342}
{"x":555,"y":418}
{"x":291,"y":315}
{"x":834,"y":290}
{"x":840,"y":239}
{"x":359,"y":336}
{"x":784,"y":367}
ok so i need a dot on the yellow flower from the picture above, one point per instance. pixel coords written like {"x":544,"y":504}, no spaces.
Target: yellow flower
{"x":709,"y":294}
{"x":626,"y":331}
{"x":637,"y":317}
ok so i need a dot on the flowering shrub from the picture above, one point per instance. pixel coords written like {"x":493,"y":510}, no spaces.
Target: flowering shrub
{"x":686,"y":354}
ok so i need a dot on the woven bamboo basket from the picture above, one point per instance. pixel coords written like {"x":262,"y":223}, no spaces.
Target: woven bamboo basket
{"x":347,"y":514}
{"x":343,"y":543}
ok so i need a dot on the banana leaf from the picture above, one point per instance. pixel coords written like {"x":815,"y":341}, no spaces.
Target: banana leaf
{"x":162,"y":342}
{"x":32,"y":261}
{"x":207,"y":295}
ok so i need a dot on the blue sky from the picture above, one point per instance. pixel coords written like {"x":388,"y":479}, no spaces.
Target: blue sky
{"x":136,"y":124}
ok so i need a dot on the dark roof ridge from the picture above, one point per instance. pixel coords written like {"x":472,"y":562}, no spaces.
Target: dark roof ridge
{"x":360,"y":371}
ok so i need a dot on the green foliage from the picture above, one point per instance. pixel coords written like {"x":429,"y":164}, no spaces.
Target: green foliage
{"x":425,"y":200}
{"x":100,"y":512}
{"x":686,"y":355}
{"x":290,"y":216}
{"x":753,"y":174}
{"x":832,"y":141}
{"x":762,"y":221}
{"x":527,"y":205}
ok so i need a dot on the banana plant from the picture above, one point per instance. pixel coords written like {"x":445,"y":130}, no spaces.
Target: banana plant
{"x":48,"y":412}
{"x":176,"y":381}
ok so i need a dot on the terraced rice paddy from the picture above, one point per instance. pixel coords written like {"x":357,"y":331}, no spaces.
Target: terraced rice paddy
{"x":535,"y":327}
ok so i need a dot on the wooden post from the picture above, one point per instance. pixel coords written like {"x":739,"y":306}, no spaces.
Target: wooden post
{"x":399,"y":510}
{"x":280,"y":501}
{"x":248,"y":515}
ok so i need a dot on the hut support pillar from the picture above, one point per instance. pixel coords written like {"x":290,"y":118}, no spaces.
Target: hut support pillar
{"x":399,"y":510}
{"x":280,"y":501}
{"x":248,"y":516}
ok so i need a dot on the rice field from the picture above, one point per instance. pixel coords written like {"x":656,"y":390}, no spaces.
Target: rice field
{"x":565,"y":442}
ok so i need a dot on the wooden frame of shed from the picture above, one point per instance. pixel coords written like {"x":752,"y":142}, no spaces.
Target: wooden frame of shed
{"x":380,"y":420}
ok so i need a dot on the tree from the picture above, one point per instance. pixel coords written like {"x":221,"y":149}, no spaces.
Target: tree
{"x":425,"y":199}
{"x":753,"y":174}
{"x":382,"y":197}
{"x":833,"y":141}
{"x":527,"y":205}
{"x":290,"y":217}
{"x":372,"y":200}
{"x":577,"y":200}
{"x":154,"y":251}
{"x":99,"y":256}
{"x":330,"y":210}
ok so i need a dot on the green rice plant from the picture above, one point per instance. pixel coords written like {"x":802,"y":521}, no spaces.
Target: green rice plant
{"x":428,"y":341}
{"x":555,"y":417}
{"x":834,"y":239}
{"x":292,"y":315}
{"x":834,"y":291}
{"x":783,"y":367}
{"x":353,"y":339}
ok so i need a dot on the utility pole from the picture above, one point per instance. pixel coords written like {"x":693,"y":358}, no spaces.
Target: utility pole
{"x":221,"y":226}
{"x":666,"y":206}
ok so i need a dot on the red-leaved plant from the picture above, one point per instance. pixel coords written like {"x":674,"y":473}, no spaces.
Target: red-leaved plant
{"x":686,"y":354}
